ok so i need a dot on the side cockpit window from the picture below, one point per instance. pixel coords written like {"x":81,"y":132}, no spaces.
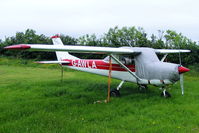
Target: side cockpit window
{"x":125,"y":59}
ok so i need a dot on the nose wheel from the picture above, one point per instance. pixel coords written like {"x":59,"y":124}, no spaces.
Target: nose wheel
{"x":165,"y":94}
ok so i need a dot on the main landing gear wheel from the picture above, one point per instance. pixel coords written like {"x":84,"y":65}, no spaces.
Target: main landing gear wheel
{"x":165,"y":94}
{"x":142,"y":88}
{"x":115,"y":93}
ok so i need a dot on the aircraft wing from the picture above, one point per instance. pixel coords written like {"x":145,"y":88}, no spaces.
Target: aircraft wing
{"x":168,"y":51}
{"x":73,"y":49}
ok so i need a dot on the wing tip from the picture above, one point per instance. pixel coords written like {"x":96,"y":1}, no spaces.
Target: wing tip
{"x":18,"y":47}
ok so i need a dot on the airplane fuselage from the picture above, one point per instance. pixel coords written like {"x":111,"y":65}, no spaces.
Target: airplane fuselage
{"x":101,"y":67}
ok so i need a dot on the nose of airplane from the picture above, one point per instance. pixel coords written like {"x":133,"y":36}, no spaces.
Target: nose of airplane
{"x":182,"y":69}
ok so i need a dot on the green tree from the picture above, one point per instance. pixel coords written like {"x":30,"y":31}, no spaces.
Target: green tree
{"x":89,"y":40}
{"x":126,"y":36}
{"x":178,"y":41}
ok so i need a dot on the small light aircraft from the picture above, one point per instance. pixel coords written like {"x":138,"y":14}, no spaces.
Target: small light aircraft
{"x":139,"y":65}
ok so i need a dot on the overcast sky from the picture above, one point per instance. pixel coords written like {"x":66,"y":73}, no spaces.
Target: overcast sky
{"x":80,"y":17}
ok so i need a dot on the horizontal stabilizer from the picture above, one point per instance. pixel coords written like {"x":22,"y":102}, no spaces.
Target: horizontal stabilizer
{"x":53,"y":62}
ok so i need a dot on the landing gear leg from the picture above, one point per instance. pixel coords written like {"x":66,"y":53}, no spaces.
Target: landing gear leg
{"x":116,"y":92}
{"x":165,"y":93}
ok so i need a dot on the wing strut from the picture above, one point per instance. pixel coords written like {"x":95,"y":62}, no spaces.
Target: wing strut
{"x":164,"y":57}
{"x":119,"y":62}
{"x":109,"y":79}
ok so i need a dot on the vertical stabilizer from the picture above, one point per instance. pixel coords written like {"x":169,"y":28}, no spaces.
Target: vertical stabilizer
{"x":61,"y":55}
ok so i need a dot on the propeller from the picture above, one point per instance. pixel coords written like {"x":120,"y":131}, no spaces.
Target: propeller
{"x":181,"y":75}
{"x":182,"y":70}
{"x":182,"y":83}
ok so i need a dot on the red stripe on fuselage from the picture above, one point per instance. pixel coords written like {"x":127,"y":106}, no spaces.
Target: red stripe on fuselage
{"x":97,"y":64}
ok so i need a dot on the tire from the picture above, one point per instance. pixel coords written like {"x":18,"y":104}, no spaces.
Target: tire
{"x":142,"y":88}
{"x":167,"y":94}
{"x":114,"y":93}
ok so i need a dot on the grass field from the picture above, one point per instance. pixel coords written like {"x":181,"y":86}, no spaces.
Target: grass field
{"x":33,"y":100}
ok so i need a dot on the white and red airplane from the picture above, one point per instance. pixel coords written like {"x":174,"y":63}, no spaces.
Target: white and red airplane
{"x":139,"y":65}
